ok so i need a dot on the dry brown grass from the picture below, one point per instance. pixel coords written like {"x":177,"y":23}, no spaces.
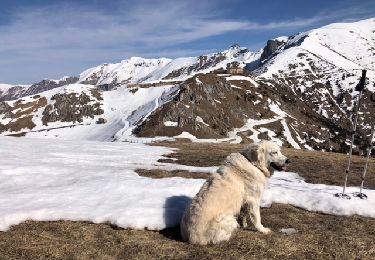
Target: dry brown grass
{"x":22,"y":118}
{"x":158,"y":174}
{"x":21,"y":123}
{"x":314,"y":166}
{"x":319,"y":236}
{"x":28,"y":107}
{"x":329,"y":168}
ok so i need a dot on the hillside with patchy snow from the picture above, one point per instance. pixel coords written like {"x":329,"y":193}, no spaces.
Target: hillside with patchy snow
{"x":82,"y":112}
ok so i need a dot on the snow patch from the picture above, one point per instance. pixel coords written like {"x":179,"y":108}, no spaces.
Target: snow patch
{"x":186,"y":135}
{"x":252,"y":81}
{"x":200,"y":120}
{"x":170,"y":123}
{"x":288,"y":135}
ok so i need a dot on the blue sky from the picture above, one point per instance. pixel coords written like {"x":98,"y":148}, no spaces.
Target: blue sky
{"x":53,"y":38}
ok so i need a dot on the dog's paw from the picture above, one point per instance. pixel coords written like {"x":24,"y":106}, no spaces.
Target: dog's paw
{"x":265,"y":230}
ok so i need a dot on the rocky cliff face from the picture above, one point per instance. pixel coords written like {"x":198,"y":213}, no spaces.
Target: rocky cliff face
{"x":271,"y":47}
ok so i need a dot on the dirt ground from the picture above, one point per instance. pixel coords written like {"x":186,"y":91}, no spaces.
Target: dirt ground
{"x":319,"y":236}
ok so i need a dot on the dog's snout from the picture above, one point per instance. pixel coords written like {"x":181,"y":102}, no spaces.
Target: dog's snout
{"x":287,"y":161}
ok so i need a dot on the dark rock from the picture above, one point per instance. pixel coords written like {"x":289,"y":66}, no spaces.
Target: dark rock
{"x":101,"y":120}
{"x":71,"y":108}
{"x":271,"y":47}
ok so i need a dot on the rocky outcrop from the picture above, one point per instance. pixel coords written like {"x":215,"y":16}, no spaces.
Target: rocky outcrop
{"x":12,"y":93}
{"x":45,"y":85}
{"x":94,"y":77}
{"x":203,"y":62}
{"x":71,"y":107}
{"x":201,"y":108}
{"x":271,"y":47}
{"x":4,"y":107}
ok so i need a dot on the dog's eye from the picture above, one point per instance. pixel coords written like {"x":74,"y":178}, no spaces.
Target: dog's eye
{"x":274,"y":153}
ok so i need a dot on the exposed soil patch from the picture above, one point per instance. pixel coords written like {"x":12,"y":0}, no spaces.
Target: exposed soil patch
{"x":158,"y":174}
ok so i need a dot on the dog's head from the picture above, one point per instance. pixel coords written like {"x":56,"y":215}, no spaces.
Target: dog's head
{"x":266,"y":156}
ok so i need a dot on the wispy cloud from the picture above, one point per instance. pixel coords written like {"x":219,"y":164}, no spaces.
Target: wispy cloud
{"x":340,"y":15}
{"x":71,"y":36}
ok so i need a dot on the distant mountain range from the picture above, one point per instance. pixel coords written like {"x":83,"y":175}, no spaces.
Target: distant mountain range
{"x":297,"y":91}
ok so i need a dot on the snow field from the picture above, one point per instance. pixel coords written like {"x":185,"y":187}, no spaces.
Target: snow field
{"x":47,"y":180}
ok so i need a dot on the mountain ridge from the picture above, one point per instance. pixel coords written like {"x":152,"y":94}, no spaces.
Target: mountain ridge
{"x":189,"y":96}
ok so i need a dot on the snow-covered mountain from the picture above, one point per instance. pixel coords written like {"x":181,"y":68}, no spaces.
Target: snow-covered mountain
{"x":140,"y":70}
{"x":346,"y":46}
{"x":12,"y":92}
{"x":341,"y":48}
{"x":127,"y":71}
{"x":324,"y":65}
{"x":297,"y":90}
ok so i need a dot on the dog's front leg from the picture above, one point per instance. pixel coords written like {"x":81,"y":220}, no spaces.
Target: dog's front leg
{"x":253,"y":208}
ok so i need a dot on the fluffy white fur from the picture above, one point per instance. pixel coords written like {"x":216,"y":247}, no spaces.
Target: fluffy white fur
{"x":239,"y":182}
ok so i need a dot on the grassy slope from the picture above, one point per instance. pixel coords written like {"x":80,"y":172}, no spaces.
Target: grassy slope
{"x":320,"y":236}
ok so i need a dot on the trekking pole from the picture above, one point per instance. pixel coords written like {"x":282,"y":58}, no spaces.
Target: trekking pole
{"x":369,"y":149}
{"x":360,"y":87}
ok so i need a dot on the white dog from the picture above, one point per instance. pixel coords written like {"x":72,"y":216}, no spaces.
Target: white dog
{"x":240,"y":181}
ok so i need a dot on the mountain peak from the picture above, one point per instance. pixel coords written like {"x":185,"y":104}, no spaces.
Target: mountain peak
{"x":235,"y":46}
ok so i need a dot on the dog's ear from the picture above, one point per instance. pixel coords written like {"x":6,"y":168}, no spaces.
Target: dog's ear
{"x":255,"y":153}
{"x":262,"y":161}
{"x":251,"y":153}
